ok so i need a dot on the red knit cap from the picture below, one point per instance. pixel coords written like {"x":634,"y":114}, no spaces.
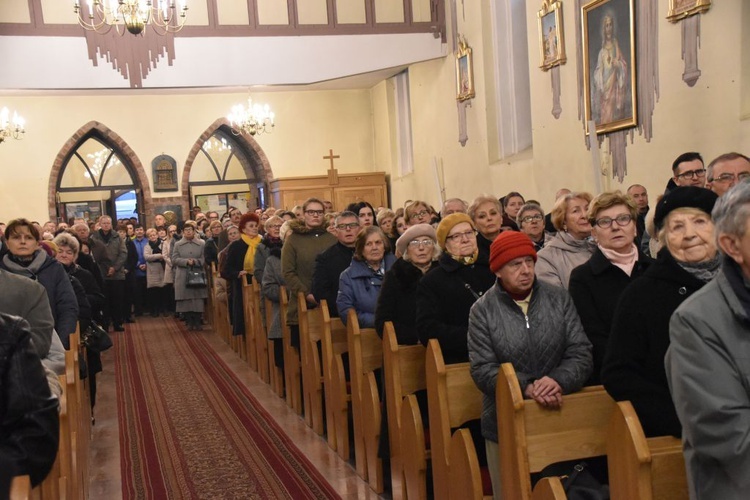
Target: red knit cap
{"x":508,"y":246}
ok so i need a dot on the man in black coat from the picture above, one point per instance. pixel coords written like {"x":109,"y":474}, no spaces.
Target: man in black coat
{"x":330,"y":264}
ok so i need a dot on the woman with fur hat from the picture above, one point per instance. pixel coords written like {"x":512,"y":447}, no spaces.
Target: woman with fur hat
{"x":445,"y":294}
{"x":633,"y":367}
{"x":397,"y":303}
{"x":531,"y":324}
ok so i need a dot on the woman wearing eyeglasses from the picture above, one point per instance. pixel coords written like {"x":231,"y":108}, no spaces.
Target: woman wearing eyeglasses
{"x":417,"y":212}
{"x":596,"y":286}
{"x":487,"y":215}
{"x":633,"y":366}
{"x":530,"y":220}
{"x":398,"y":298}
{"x":445,"y":294}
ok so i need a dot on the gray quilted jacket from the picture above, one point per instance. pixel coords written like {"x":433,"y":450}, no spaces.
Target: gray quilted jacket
{"x":549,"y":341}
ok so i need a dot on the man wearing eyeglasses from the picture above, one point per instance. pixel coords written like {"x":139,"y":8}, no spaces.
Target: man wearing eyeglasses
{"x":688,"y":170}
{"x":727,"y":170}
{"x":530,"y":221}
{"x":307,"y":239}
{"x":331,"y":263}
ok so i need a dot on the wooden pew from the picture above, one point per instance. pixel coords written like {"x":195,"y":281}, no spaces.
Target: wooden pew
{"x":333,"y":343}
{"x":464,"y":474}
{"x":642,"y":468}
{"x":413,"y":451}
{"x":275,"y":374}
{"x":20,"y":488}
{"x":403,"y":374}
{"x":365,"y":356}
{"x":84,"y":420}
{"x":340,"y":397}
{"x":453,"y":399}
{"x":549,"y":488}
{"x":247,"y":342}
{"x":531,"y":437}
{"x":261,"y":336}
{"x":310,"y":332}
{"x":291,"y":360}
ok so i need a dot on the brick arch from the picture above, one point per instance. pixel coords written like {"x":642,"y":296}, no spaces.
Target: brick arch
{"x":250,"y":146}
{"x":113,"y":140}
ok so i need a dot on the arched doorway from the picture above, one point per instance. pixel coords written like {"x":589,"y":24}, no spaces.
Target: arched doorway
{"x":224,"y":169}
{"x":97,"y":173}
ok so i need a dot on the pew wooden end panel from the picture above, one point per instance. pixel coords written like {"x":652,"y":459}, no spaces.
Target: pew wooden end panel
{"x":332,"y":343}
{"x":549,"y":488}
{"x":464,"y":478}
{"x":642,"y":468}
{"x":530,"y":437}
{"x":414,"y":463}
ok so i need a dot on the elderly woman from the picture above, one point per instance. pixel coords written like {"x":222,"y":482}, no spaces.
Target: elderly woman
{"x":273,"y":280}
{"x":572,"y":244}
{"x":530,"y":220}
{"x":398,"y":298}
{"x":26,"y":258}
{"x":633,"y":367}
{"x":596,"y":286}
{"x":530,"y":324}
{"x":186,"y":253}
{"x":512,"y":203}
{"x":271,"y":240}
{"x":487,"y":215}
{"x":239,"y":267}
{"x":153,"y":254}
{"x":385,"y":220}
{"x":166,"y":250}
{"x":359,"y":284}
{"x":90,"y":306}
{"x":211,"y":249}
{"x":417,"y":212}
{"x":445,"y":294}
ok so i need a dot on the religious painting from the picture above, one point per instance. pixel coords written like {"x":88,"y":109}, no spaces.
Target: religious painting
{"x":680,"y":9}
{"x":609,"y":65}
{"x":89,"y":210}
{"x":464,"y":71}
{"x":551,"y":41}
{"x":164,"y":171}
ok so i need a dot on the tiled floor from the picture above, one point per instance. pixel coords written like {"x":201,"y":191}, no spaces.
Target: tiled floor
{"x":105,"y":453}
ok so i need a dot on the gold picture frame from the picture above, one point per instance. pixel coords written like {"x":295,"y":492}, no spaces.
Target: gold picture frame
{"x":609,"y":64}
{"x":464,"y":71}
{"x":551,"y":35}
{"x":680,"y":9}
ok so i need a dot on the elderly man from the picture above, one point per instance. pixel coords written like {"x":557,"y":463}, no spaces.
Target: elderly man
{"x":160,"y":221}
{"x":707,"y":362}
{"x":454,"y":205}
{"x":234,"y":215}
{"x":330,"y":264}
{"x":531,"y":324}
{"x":110,"y":254}
{"x":727,"y":170}
{"x":688,"y":170}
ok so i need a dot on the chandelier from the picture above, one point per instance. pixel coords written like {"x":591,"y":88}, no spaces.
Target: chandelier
{"x":10,"y":128}
{"x":255,"y":119}
{"x":100,"y":15}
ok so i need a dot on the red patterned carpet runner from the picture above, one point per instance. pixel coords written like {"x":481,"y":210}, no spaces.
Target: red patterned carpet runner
{"x":190,"y":429}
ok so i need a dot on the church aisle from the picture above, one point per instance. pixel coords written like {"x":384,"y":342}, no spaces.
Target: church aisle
{"x":105,"y":474}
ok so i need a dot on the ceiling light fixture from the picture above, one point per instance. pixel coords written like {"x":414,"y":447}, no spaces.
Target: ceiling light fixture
{"x":131,"y":15}
{"x":10,"y":128}
{"x":255,"y":119}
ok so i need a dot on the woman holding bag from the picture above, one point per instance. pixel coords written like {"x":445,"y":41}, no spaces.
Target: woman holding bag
{"x":187,"y":254}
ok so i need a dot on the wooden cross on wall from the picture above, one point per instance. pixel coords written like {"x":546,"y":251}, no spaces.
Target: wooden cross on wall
{"x":333,"y":174}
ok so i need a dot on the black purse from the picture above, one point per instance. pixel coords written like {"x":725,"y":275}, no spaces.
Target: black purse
{"x":96,"y":338}
{"x":577,"y":478}
{"x":196,"y":277}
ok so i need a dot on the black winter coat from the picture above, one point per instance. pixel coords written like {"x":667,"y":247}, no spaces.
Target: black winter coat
{"x":633,"y":368}
{"x":596,"y":287}
{"x":444,"y":298}
{"x":398,"y":301}
{"x":234,"y":262}
{"x":29,"y":427}
{"x":328,"y":268}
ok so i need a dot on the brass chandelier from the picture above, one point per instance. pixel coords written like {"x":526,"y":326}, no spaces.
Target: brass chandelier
{"x":131,"y":15}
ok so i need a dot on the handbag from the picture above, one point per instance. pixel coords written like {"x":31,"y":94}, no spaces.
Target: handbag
{"x":96,"y":338}
{"x":577,"y":479}
{"x":196,"y":277}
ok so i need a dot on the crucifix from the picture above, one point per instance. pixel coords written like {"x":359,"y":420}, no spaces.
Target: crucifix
{"x":333,"y":174}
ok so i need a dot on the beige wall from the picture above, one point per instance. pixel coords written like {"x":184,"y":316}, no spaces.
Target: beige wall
{"x":307,"y":125}
{"x":705,"y":117}
{"x":359,"y":125}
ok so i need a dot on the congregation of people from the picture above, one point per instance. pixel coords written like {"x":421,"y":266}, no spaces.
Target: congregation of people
{"x":598,"y":290}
